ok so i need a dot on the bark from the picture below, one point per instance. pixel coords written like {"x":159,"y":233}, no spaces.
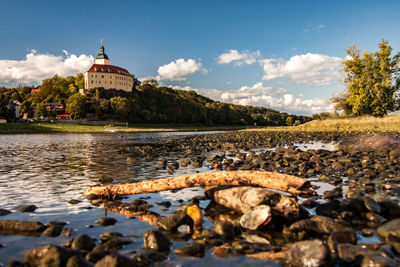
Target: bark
{"x":272,"y":180}
{"x":269,"y":255}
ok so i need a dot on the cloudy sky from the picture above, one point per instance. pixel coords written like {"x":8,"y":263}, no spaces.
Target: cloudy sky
{"x":285,"y":55}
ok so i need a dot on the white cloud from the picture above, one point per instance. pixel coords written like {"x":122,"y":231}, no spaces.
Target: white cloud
{"x":36,"y":67}
{"x":179,"y":69}
{"x":311,"y":69}
{"x":246,"y":57}
{"x":262,"y":96}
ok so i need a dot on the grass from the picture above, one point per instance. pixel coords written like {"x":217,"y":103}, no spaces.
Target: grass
{"x":390,"y":123}
{"x":44,"y":127}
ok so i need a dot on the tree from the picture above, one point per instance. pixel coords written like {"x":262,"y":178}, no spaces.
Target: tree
{"x":40,"y":111}
{"x":372,"y":80}
{"x":289,"y":121}
{"x":121,"y":105}
{"x":76,"y":106}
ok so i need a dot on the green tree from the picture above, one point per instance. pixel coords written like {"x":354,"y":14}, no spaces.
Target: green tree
{"x":80,"y":81}
{"x":121,"y":105}
{"x":372,"y":80}
{"x":289,"y":121}
{"x":76,"y":106}
{"x":40,"y":111}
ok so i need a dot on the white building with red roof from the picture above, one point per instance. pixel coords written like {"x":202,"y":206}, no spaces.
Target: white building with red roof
{"x":102,"y":74}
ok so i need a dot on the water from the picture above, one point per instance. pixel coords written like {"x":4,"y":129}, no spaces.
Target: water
{"x":48,"y":170}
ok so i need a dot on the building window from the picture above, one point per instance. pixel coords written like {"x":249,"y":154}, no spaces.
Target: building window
{"x":92,"y":75}
{"x":95,"y":76}
{"x":102,"y":76}
{"x":99,"y":81}
{"x":92,"y":81}
{"x":110,"y":76}
{"x":105,"y":82}
{"x":110,"y":82}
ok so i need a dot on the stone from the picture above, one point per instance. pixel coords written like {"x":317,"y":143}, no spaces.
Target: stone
{"x":83,"y":242}
{"x":390,"y":229}
{"x":256,"y":217}
{"x":15,"y":227}
{"x":148,"y":258}
{"x":225,"y":229}
{"x":253,"y":238}
{"x":74,"y":201}
{"x":106,"y":221}
{"x":317,"y":224}
{"x":78,"y":261}
{"x":172,"y":223}
{"x":377,"y":260}
{"x":49,"y":256}
{"x":115,"y":260}
{"x":26,"y":208}
{"x":53,"y":231}
{"x":95,"y":256}
{"x":16,"y":264}
{"x":343,"y":237}
{"x":308,"y":253}
{"x":110,"y":235}
{"x":244,"y":198}
{"x":371,"y":204}
{"x":155,"y":240}
{"x":193,"y":250}
{"x":4,"y":212}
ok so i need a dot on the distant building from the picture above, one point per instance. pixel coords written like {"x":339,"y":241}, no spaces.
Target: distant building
{"x":102,"y":74}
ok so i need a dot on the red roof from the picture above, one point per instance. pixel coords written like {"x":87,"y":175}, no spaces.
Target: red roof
{"x":63,"y":115}
{"x":108,"y":69}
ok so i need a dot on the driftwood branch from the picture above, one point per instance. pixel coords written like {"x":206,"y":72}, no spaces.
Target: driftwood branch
{"x":272,"y":180}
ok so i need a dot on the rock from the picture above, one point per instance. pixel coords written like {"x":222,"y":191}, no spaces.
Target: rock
{"x":367,"y":142}
{"x":110,"y":235}
{"x":172,"y":223}
{"x":317,"y":224}
{"x":391,"y":209}
{"x":377,"y":260}
{"x":115,"y":260}
{"x":184,"y":229}
{"x":390,"y":230}
{"x":148,"y":258}
{"x":74,"y":201}
{"x":364,"y":257}
{"x":156,"y":240}
{"x":4,"y":212}
{"x":308,"y":253}
{"x":92,"y":197}
{"x":253,"y":238}
{"x":83,"y":242}
{"x":106,"y":221}
{"x":244,"y":198}
{"x":225,"y":229}
{"x":78,"y":261}
{"x":26,"y":208}
{"x":51,"y":256}
{"x":193,"y":250}
{"x":16,"y":264}
{"x":343,"y":237}
{"x":194,"y":212}
{"x":20,"y":227}
{"x":53,"y":231}
{"x":371,"y":204}
{"x":256,"y":217}
{"x":206,"y":234}
{"x":94,"y":257}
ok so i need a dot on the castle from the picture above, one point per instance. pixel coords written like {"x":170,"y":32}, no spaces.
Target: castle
{"x":102,"y":74}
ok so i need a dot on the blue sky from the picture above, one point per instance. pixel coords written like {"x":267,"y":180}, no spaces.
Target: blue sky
{"x":280,"y":54}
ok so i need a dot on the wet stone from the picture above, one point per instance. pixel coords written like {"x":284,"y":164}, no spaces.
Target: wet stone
{"x":172,"y":223}
{"x":4,"y":212}
{"x":193,"y":250}
{"x":74,"y":201}
{"x":308,"y":253}
{"x":78,"y":261}
{"x":15,"y":264}
{"x":12,"y":226}
{"x":148,"y":258}
{"x":51,"y":256}
{"x":106,"y":221}
{"x":155,"y":240}
{"x":343,"y":237}
{"x":83,"y":242}
{"x":390,"y":230}
{"x":26,"y":208}
{"x":371,"y":204}
{"x":226,"y":230}
{"x":115,"y":260}
{"x":256,"y":217}
{"x":94,"y":257}
{"x":53,"y":231}
{"x":110,"y":235}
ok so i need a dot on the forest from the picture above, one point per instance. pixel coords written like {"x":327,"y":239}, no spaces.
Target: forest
{"x":147,"y":103}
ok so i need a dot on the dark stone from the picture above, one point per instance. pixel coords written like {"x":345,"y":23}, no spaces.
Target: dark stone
{"x":51,"y":256}
{"x":343,"y":237}
{"x":172,"y":223}
{"x":371,"y":204}
{"x":110,"y":235}
{"x":95,"y":256}
{"x":390,"y":230}
{"x":106,"y":221}
{"x":26,"y":208}
{"x":16,"y":264}
{"x":155,"y":240}
{"x":308,"y":253}
{"x":15,"y":227}
{"x":148,"y":258}
{"x":74,"y":201}
{"x":4,"y":212}
{"x":83,"y":242}
{"x":225,"y":229}
{"x":193,"y":250}
{"x":53,"y":231}
{"x":92,"y":197}
{"x":115,"y":260}
{"x":78,"y":261}
{"x":377,"y":260}
{"x":391,"y":209}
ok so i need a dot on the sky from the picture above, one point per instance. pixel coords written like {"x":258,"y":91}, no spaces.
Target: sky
{"x":285,"y":55}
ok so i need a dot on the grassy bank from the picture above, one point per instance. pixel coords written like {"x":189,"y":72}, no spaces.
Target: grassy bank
{"x":389,"y":123}
{"x":12,"y":128}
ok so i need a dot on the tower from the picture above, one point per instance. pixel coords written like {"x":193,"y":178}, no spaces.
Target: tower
{"x":102,"y":58}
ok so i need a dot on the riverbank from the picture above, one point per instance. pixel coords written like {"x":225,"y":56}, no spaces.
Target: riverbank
{"x":389,"y":123}
{"x":45,"y":127}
